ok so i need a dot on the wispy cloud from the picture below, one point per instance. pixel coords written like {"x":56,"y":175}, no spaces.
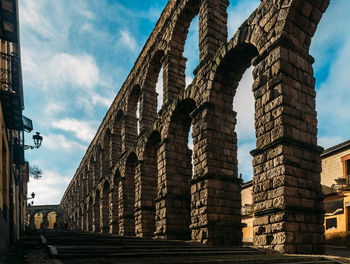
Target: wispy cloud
{"x":49,"y":188}
{"x":159,"y":90}
{"x":127,"y":40}
{"x":331,"y":50}
{"x":82,"y":8}
{"x":243,"y":104}
{"x":238,"y":12}
{"x":83,"y":130}
{"x":32,"y":16}
{"x":79,"y":70}
{"x":60,"y":142}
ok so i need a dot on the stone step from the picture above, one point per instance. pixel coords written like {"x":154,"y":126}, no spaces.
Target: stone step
{"x":91,"y":248}
{"x":152,"y":247}
{"x":251,"y":261}
{"x":153,"y":253}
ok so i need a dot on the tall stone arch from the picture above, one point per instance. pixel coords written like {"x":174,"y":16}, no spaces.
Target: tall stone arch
{"x":104,"y":207}
{"x":148,"y":105}
{"x":114,"y":203}
{"x":116,"y":138}
{"x":173,"y":200}
{"x":96,"y":211}
{"x":146,"y":182}
{"x":127,"y":197}
{"x":287,"y":190}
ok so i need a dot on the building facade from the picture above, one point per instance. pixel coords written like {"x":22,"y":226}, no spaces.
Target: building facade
{"x":12,"y":180}
{"x":335,"y":180}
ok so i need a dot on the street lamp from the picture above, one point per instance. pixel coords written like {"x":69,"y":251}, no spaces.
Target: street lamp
{"x":30,"y":198}
{"x":37,"y":142}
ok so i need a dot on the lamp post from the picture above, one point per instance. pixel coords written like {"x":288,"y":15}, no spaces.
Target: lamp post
{"x":37,"y":142}
{"x":31,"y":198}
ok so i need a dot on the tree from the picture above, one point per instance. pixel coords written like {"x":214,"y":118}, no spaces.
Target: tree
{"x":35,"y":172}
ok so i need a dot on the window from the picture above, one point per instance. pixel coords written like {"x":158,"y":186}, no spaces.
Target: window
{"x":331,"y":223}
{"x":346,"y":169}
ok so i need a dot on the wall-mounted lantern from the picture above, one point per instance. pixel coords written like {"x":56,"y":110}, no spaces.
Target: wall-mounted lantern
{"x":31,"y":198}
{"x":37,"y":142}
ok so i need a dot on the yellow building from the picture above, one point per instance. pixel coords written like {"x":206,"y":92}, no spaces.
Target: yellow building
{"x":335,"y":180}
{"x":247,"y":212}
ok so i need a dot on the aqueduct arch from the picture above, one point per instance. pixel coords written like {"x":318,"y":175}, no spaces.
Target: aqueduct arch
{"x":44,"y":210}
{"x":205,"y":202}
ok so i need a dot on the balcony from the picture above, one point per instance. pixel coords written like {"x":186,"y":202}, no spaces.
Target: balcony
{"x":341,"y":184}
{"x":10,"y":91}
{"x":247,"y":209}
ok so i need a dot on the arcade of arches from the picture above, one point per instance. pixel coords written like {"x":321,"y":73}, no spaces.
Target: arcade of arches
{"x":138,"y":176}
{"x":44,"y":217}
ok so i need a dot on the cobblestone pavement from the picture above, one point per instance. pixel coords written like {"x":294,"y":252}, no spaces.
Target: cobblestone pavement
{"x":39,"y":256}
{"x":18,"y":255}
{"x":342,"y":252}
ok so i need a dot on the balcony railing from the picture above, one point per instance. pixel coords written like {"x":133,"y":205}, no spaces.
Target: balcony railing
{"x":9,"y":72}
{"x":341,"y":184}
{"x":247,"y":209}
{"x":10,"y":90}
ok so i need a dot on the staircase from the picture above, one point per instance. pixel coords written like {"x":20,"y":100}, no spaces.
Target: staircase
{"x":79,"y":247}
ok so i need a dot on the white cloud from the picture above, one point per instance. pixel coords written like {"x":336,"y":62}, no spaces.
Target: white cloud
{"x":159,"y":90}
{"x":106,"y":101}
{"x":60,"y":70}
{"x":82,"y":8}
{"x":60,"y":142}
{"x":78,"y":70}
{"x":49,"y":188}
{"x":333,"y":29}
{"x":189,"y":80}
{"x":238,"y":13}
{"x":53,"y":108}
{"x":83,"y":130}
{"x":32,"y":16}
{"x":331,"y":49}
{"x":127,"y":40}
{"x":243,"y":104}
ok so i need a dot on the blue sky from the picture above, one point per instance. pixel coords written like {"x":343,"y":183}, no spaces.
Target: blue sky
{"x":77,"y":54}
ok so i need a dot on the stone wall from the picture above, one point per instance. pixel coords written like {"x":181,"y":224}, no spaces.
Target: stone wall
{"x":155,"y":190}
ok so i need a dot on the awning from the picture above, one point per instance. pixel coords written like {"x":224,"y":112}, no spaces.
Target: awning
{"x":332,"y":206}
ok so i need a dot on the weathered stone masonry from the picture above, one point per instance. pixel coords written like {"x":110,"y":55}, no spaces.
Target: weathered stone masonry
{"x":142,"y":184}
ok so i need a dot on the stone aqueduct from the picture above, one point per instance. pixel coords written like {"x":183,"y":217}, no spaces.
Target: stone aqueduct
{"x":142,"y":184}
{"x":45,"y":210}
